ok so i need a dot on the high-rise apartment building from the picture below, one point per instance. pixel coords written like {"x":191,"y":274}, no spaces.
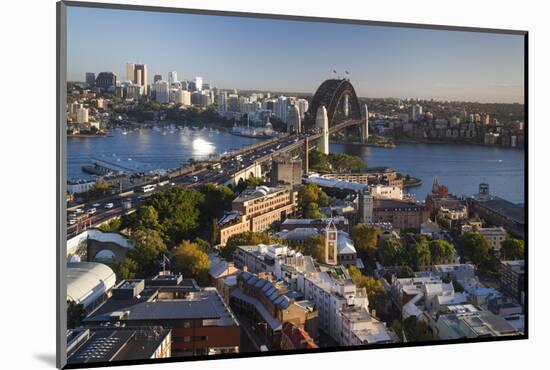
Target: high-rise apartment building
{"x":162,"y":91}
{"x":105,"y":80}
{"x":90,"y":79}
{"x":172,"y":77}
{"x":140,"y":76}
{"x":82,"y":114}
{"x":198,"y":83}
{"x":222,"y":102}
{"x":130,"y":72}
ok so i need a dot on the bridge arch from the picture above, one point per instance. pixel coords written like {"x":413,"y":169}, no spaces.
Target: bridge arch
{"x":339,"y":98}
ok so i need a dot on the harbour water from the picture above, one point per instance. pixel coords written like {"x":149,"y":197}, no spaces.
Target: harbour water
{"x":461,"y":168}
{"x":155,"y":148}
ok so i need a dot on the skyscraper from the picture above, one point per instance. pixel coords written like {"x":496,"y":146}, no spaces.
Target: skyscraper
{"x":105,"y":80}
{"x":222,"y":107}
{"x":162,"y":91}
{"x":140,"y":76}
{"x":198,"y":83}
{"x":90,"y":79}
{"x":130,"y":72}
{"x":281,"y":108}
{"x":156,"y":78}
{"x":172,"y":77}
{"x":416,"y":112}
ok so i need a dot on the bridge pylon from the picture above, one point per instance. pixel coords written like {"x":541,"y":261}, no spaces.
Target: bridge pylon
{"x":321,"y":122}
{"x":364,"y":126}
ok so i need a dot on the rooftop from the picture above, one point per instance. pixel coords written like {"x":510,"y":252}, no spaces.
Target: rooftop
{"x":506,"y":208}
{"x":393,"y":204}
{"x":252,"y":193}
{"x":117,"y":345}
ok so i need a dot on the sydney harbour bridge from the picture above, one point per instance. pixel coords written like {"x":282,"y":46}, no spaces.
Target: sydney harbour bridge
{"x":333,"y":108}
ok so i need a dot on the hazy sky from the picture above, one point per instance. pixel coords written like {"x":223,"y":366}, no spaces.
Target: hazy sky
{"x":246,"y":53}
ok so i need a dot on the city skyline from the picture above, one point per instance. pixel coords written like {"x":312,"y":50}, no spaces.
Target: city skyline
{"x":444,"y":65}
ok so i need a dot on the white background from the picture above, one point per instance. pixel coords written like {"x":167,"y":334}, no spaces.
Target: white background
{"x":27,"y":172}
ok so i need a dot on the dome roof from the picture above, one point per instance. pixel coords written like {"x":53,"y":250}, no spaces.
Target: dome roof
{"x":87,"y":281}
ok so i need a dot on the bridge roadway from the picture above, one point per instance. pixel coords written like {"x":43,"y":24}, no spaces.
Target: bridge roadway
{"x":257,"y":154}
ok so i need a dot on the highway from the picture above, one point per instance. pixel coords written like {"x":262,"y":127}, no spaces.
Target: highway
{"x":95,"y":213}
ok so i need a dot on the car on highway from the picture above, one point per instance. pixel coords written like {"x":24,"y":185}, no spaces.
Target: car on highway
{"x":78,"y":211}
{"x":109,"y":205}
{"x":91,"y":211}
{"x":96,"y":205}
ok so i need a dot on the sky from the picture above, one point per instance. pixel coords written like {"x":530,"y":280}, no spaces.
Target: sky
{"x":296,"y":56}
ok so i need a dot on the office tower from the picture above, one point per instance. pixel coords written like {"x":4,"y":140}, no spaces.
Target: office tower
{"x":162,"y":91}
{"x":321,"y":122}
{"x":105,"y":80}
{"x":140,"y":76}
{"x":172,"y":77}
{"x":198,"y":83}
{"x":130,"y":72}
{"x":416,"y":112}
{"x":90,"y":79}
{"x":281,"y":108}
{"x":156,"y":78}
{"x":232,"y":103}
{"x":294,"y":122}
{"x":222,"y":101}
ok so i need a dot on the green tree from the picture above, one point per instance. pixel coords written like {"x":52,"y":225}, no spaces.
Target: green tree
{"x":319,"y":161}
{"x":474,"y":247}
{"x":178,"y":212}
{"x":101,"y":189}
{"x":365,"y":239}
{"x":312,"y":211}
{"x":412,"y":330}
{"x":148,"y":250}
{"x":392,"y":253}
{"x":312,"y":194}
{"x":147,"y":218}
{"x":217,"y":199}
{"x":75,"y":314}
{"x":342,"y":162}
{"x":252,"y":181}
{"x":191,"y":261}
{"x":111,"y":226}
{"x":215,"y":232}
{"x":127,"y":269}
{"x":405,"y":273}
{"x":375,"y":288}
{"x":203,"y":245}
{"x":512,"y":249}
{"x":441,"y":251}
{"x":420,"y":255}
{"x":314,"y":246}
